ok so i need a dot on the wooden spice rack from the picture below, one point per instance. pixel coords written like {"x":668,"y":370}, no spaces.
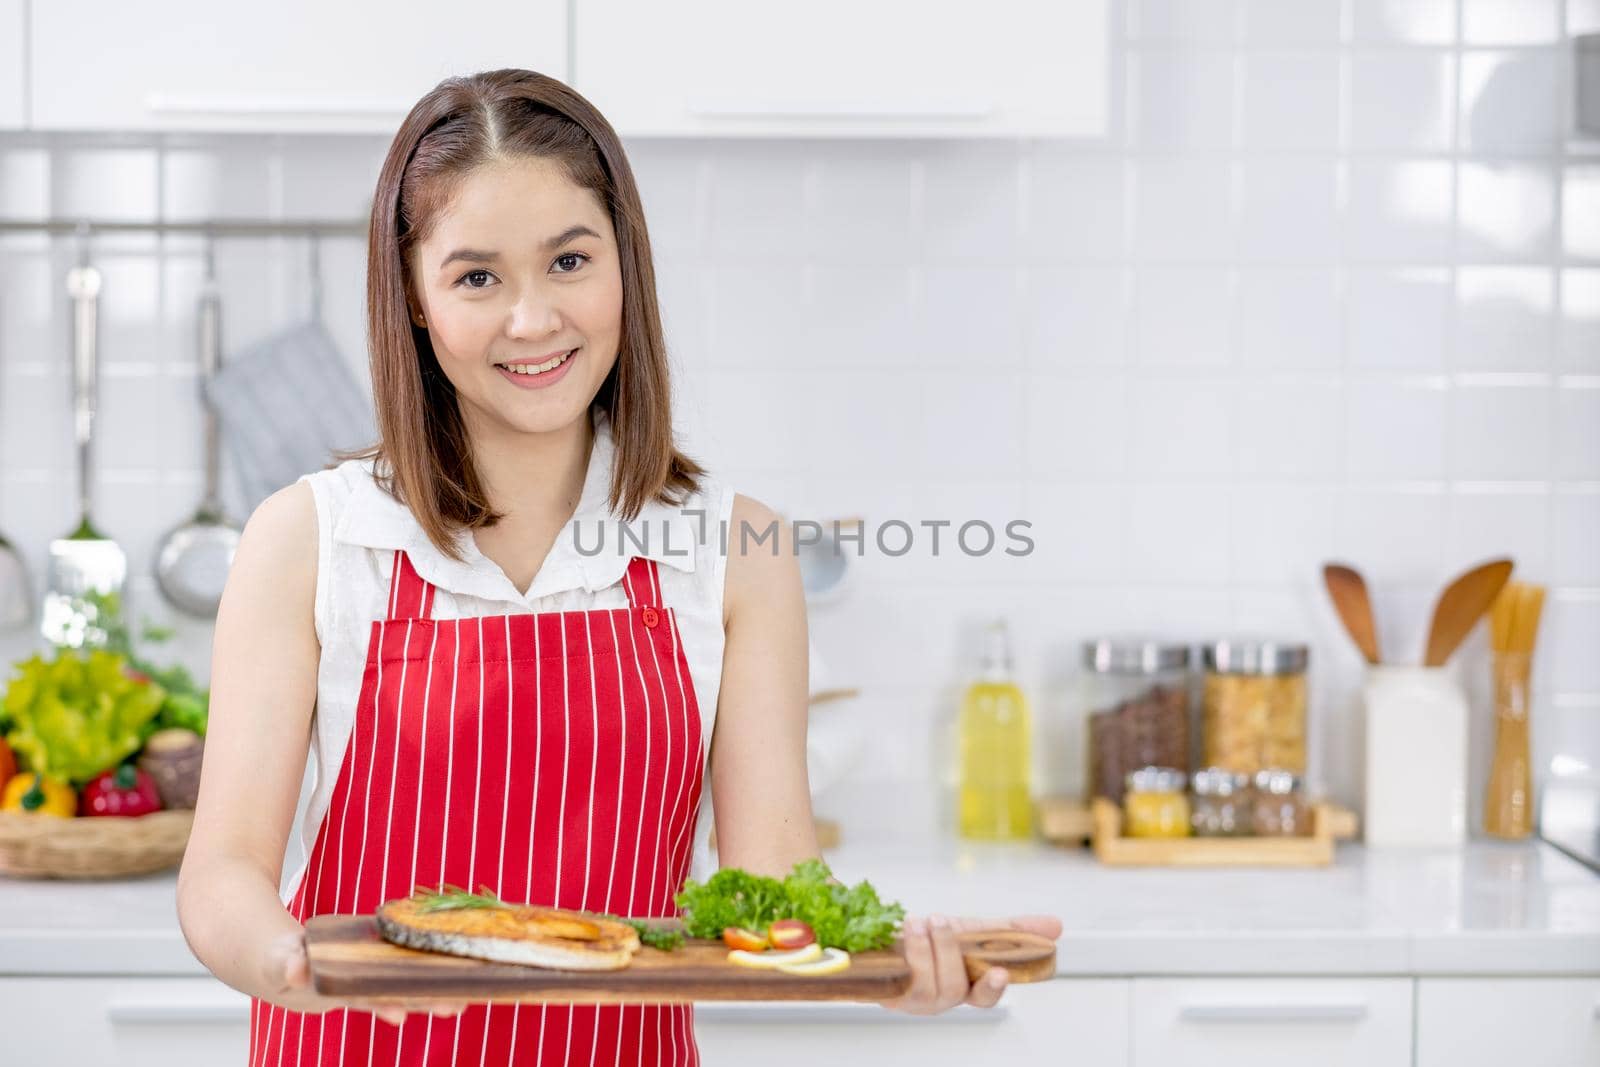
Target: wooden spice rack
{"x":1069,"y":821}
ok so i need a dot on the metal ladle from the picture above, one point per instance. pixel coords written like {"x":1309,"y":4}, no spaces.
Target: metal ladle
{"x":85,"y":564}
{"x":193,"y":561}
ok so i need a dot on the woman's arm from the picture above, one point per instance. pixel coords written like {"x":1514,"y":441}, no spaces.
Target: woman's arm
{"x":759,"y":789}
{"x":758,"y":761}
{"x":263,"y":688}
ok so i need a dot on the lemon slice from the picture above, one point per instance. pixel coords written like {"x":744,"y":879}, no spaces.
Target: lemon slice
{"x":771,"y":958}
{"x":833,"y":961}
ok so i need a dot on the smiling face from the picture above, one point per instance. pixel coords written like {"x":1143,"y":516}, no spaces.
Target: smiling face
{"x":520,"y":270}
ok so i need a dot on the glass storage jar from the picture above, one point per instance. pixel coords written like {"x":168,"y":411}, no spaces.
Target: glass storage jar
{"x":1136,"y":700}
{"x":1280,"y":808}
{"x":1254,"y":708}
{"x":1154,"y":804}
{"x":1221,"y":803}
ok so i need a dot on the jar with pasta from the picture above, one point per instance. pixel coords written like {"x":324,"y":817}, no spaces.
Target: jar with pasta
{"x":1254,"y":707}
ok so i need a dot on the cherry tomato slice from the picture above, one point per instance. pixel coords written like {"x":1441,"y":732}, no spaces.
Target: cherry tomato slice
{"x":790,"y":934}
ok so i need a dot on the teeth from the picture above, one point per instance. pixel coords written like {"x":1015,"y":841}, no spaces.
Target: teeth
{"x":538,"y":368}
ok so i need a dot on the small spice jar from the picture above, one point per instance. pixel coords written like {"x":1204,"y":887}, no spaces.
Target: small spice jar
{"x":1254,"y":711}
{"x":1280,"y":808}
{"x":1154,"y":804}
{"x":1136,"y":704}
{"x":1221,"y":806}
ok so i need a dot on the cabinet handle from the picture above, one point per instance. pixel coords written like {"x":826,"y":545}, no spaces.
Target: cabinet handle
{"x":180,"y":104}
{"x":720,"y":108}
{"x":861,"y":1014}
{"x":144,"y":1009}
{"x":1332,"y":1012}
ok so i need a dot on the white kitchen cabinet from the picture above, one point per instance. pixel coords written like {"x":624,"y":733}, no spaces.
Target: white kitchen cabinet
{"x":296,"y":65}
{"x":1084,"y":1020}
{"x":841,"y":68}
{"x":126,"y":1022}
{"x":13,"y":65}
{"x":1493,"y":1022}
{"x":1237,"y":1022}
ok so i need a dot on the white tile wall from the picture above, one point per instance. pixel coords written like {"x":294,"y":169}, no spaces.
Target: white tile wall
{"x":1332,"y":289}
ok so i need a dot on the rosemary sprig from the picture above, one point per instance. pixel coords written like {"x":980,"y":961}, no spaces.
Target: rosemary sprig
{"x":449,"y":898}
{"x":654,"y":936}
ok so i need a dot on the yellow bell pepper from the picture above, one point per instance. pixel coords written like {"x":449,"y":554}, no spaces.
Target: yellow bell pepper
{"x":30,"y":794}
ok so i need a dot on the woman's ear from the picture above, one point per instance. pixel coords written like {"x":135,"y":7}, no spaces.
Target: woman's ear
{"x":416,"y":313}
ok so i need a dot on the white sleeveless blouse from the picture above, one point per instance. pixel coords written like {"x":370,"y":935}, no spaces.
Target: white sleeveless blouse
{"x":360,"y":527}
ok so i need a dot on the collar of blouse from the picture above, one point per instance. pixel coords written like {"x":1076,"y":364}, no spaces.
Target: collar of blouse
{"x":591,"y":552}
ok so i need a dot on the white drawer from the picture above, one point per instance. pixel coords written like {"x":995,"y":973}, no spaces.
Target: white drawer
{"x":1038,"y":1020}
{"x":1237,"y":1022}
{"x":1465,"y":1022}
{"x":123,"y":1022}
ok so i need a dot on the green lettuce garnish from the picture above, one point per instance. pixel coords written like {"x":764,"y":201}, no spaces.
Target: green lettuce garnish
{"x":78,"y":714}
{"x":847,"y":917}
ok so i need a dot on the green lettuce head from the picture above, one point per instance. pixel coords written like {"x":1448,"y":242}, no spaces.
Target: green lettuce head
{"x":78,"y":714}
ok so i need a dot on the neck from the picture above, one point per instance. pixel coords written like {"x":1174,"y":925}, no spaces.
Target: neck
{"x":533,"y":476}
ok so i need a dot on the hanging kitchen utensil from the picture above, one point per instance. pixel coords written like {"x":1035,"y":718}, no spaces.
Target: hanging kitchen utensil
{"x":288,"y":403}
{"x":1348,"y":591}
{"x":16,"y":588}
{"x":1461,"y":605}
{"x":193,"y":560}
{"x":85,"y":563}
{"x":824,"y":565}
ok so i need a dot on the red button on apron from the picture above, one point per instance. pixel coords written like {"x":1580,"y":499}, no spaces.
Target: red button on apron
{"x":651,"y":616}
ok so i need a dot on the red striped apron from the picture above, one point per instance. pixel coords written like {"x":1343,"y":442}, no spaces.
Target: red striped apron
{"x":555,"y":757}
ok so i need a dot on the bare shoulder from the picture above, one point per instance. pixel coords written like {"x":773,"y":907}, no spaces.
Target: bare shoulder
{"x":762,"y":565}
{"x":277,"y":554}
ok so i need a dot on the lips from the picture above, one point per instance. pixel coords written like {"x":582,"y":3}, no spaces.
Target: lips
{"x":528,"y":375}
{"x":537,"y":366}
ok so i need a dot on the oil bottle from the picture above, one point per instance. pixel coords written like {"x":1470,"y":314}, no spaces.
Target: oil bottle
{"x":995,"y":748}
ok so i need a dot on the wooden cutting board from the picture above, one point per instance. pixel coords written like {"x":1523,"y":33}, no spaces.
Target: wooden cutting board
{"x":349,"y":959}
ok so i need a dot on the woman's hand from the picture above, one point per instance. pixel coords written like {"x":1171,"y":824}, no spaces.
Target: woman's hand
{"x":939,"y":974}
{"x":289,"y":975}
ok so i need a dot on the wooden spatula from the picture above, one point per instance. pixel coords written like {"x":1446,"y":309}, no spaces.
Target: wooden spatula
{"x":1348,"y":590}
{"x":1461,"y":605}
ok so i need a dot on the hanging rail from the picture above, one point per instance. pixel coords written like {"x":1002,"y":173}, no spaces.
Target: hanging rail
{"x":202,"y":228}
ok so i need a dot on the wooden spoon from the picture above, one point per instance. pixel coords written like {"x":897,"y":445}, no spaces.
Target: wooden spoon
{"x":1461,"y":605}
{"x":1348,"y":591}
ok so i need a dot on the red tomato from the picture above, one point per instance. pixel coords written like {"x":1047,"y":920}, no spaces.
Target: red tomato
{"x":790,"y":934}
{"x":739,"y":937}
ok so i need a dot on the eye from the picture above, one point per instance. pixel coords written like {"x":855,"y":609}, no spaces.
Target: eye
{"x":571,"y":255}
{"x":475,"y":274}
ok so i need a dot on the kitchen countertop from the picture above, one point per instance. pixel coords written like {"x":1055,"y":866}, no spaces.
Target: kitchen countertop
{"x":1489,"y":908}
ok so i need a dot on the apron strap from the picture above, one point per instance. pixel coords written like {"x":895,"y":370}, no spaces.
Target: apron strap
{"x":410,"y":597}
{"x":641,"y":583}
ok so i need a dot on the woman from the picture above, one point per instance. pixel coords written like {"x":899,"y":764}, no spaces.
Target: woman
{"x":510,"y":616}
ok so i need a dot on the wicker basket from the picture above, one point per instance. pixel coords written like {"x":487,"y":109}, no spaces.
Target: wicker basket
{"x":107,"y":846}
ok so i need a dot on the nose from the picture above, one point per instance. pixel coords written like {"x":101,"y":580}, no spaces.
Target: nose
{"x":534,"y":315}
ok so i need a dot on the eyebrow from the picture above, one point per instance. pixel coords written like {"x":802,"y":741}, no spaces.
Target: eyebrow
{"x":477,"y":255}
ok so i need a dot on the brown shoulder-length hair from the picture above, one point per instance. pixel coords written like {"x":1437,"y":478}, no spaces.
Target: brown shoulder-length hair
{"x":425,"y":460}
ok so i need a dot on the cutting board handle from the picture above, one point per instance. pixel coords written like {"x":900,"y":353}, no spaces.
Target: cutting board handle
{"x":1026,"y":957}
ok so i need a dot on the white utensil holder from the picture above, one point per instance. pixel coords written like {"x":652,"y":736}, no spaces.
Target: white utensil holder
{"x":1416,"y":791}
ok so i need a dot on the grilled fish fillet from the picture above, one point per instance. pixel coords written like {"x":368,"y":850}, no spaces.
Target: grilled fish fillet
{"x":537,"y":937}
